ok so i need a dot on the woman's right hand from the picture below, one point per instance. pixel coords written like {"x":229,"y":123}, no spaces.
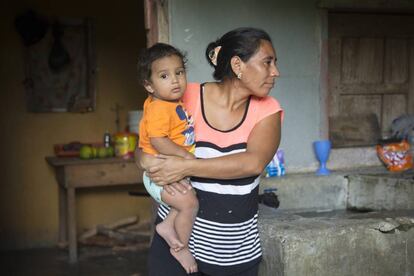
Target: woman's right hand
{"x":148,"y":161}
{"x":171,"y":170}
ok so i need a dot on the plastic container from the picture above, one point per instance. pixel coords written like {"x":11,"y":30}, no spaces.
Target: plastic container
{"x":134,"y":117}
{"x":125,"y":144}
{"x":276,"y":167}
{"x":395,"y":155}
{"x":411,"y":142}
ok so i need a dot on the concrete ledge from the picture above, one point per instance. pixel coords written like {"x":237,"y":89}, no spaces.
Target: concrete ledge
{"x":381,"y":192}
{"x":302,"y":238}
{"x":299,"y":192}
{"x":370,"y":188}
{"x":359,"y":244}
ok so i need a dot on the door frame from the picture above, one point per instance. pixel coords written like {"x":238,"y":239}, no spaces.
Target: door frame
{"x":157,"y":21}
{"x":347,"y":158}
{"x":327,"y":6}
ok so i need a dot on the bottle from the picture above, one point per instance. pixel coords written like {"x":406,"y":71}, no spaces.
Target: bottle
{"x":107,"y":139}
{"x":280,"y":154}
{"x":276,"y":166}
{"x":271,"y":169}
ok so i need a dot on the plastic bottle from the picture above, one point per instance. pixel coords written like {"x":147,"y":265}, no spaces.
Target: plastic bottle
{"x":276,"y":167}
{"x":280,"y":154}
{"x":107,"y":139}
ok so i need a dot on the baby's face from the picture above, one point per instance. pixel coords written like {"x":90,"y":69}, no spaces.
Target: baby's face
{"x":168,"y":78}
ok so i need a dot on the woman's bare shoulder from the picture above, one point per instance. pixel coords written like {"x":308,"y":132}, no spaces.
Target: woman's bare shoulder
{"x":208,"y":86}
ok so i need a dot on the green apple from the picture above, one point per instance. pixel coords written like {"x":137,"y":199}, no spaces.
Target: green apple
{"x":110,"y":151}
{"x":94,"y":152}
{"x":85,"y":152}
{"x":101,"y":152}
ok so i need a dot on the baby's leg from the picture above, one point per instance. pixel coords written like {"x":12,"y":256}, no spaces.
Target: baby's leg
{"x":186,"y":260}
{"x":186,"y":206}
{"x":166,"y":230}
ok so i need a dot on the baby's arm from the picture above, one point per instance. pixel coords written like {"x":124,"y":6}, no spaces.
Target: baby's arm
{"x":167,"y":147}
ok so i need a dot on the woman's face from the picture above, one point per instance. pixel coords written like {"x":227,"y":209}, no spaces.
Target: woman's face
{"x":260,"y":71}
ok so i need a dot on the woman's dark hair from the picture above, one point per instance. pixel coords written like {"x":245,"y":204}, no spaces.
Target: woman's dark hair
{"x":241,"y":42}
{"x":151,"y":54}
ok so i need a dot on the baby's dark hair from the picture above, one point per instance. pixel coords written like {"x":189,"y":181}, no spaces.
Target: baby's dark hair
{"x":241,"y":42}
{"x":151,"y":54}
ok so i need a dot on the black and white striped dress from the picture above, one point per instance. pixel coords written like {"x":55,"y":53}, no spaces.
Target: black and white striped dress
{"x":225,"y":238}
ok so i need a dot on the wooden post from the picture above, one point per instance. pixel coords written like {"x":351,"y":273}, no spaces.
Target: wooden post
{"x":156,"y":21}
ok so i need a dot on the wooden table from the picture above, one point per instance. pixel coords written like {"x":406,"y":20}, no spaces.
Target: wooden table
{"x":74,"y":173}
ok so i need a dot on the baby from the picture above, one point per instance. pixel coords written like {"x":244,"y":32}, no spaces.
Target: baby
{"x":166,"y":128}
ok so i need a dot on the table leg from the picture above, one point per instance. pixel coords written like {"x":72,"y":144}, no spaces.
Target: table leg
{"x":73,"y":254}
{"x":63,"y":217}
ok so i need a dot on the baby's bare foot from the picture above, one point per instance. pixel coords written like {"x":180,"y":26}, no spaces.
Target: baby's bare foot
{"x":186,"y":260}
{"x":169,"y":235}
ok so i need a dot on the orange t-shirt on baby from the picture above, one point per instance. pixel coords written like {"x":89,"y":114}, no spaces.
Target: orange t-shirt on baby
{"x":165,"y":119}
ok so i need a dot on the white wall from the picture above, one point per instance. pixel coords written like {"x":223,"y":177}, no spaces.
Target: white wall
{"x":295,"y":28}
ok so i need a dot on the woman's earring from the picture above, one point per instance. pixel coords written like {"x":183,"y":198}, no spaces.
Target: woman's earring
{"x":239,"y":75}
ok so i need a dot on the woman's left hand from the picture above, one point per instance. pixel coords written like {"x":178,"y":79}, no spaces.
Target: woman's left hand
{"x":171,"y":170}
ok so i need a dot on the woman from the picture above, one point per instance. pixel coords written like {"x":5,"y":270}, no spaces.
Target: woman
{"x":237,"y":130}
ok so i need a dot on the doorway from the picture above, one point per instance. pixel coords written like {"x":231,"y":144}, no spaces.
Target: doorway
{"x":370,"y":75}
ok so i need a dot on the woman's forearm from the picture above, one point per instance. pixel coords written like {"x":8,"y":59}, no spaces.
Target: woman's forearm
{"x":172,"y":169}
{"x":232,"y":166}
{"x":261,"y":147}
